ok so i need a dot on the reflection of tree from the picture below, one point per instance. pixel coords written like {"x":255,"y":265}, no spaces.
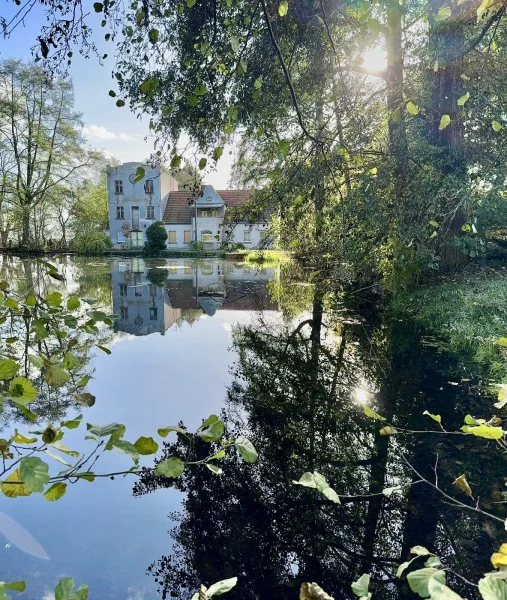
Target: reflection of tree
{"x":294,"y":392}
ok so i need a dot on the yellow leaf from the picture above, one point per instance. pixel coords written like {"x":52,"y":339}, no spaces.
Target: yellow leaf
{"x":436,"y":418}
{"x":484,"y":431}
{"x":12,"y":486}
{"x":462,"y":483}
{"x":372,"y":414}
{"x":21,"y":439}
{"x":435,"y":66}
{"x":463,"y":99}
{"x":499,"y":559}
{"x":283,"y":7}
{"x":444,"y":12}
{"x":444,"y":122}
{"x":412,"y":109}
{"x":496,"y":126}
{"x":387,"y":430}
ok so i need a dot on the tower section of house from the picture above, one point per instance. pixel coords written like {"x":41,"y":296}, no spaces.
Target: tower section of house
{"x":135,"y":205}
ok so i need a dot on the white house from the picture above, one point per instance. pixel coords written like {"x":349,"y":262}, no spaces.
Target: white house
{"x":209,"y":216}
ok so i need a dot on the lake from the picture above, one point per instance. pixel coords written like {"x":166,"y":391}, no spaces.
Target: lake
{"x":291,"y":363}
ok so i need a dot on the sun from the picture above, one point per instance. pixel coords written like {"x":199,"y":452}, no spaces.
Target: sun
{"x":375,"y":59}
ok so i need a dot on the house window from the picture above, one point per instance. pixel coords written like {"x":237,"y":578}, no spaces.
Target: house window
{"x":152,"y":290}
{"x":214,"y":212}
{"x":121,"y":237}
{"x":123,"y":289}
{"x":120,"y":213}
{"x":153,"y":313}
{"x":207,"y":268}
{"x":124,"y":312}
{"x":137,"y":239}
{"x":187,"y":237}
{"x":118,"y":186}
{"x":206,"y":237}
{"x":171,"y":237}
{"x":148,"y":186}
{"x":204,"y":213}
{"x":138,"y":285}
{"x":150,"y":212}
{"x":247,"y":235}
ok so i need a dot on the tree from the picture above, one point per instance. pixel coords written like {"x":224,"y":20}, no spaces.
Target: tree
{"x":41,"y":133}
{"x":156,"y":237}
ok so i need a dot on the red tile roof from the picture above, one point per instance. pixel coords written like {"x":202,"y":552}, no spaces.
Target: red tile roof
{"x":179,"y":207}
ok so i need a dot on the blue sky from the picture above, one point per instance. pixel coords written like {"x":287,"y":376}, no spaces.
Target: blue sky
{"x":115,"y":130}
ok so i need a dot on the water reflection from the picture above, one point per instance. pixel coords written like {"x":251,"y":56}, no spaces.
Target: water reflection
{"x":151,"y":296}
{"x":295,"y":393}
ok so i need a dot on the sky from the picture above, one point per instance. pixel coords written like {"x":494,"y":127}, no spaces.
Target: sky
{"x":115,"y":130}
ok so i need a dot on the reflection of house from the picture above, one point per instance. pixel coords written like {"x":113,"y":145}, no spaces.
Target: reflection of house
{"x":192,"y":288}
{"x":143,"y":306}
{"x":209,"y":216}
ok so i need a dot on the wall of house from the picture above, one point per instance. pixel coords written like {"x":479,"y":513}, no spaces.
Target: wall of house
{"x":180,"y":229}
{"x":249,"y":235}
{"x":167,"y":184}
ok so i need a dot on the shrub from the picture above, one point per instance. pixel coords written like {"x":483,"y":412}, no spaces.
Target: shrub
{"x":156,"y":237}
{"x":92,"y":242}
{"x":197,"y":247}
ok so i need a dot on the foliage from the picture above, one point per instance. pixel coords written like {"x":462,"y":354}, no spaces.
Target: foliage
{"x":92,"y":243}
{"x":156,"y":237}
{"x":266,"y":257}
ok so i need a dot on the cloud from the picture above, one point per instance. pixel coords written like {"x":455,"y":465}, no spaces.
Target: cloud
{"x":99,"y":132}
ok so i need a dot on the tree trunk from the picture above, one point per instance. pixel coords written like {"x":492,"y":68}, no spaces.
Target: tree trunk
{"x":25,"y":236}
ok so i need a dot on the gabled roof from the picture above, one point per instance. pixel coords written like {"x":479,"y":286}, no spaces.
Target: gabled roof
{"x":179,"y":208}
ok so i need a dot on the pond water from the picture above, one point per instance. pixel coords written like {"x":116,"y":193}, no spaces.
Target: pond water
{"x":292,"y":365}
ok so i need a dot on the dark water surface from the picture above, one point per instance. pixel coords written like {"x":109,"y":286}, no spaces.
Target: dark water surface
{"x":291,"y":365}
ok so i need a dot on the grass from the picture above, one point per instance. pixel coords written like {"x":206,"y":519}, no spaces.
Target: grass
{"x":267,"y":257}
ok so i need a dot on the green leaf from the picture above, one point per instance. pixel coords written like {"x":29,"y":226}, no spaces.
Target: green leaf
{"x":12,"y":488}
{"x":444,"y":122}
{"x":171,"y":467}
{"x":211,"y":430}
{"x":56,"y":491}
{"x":86,"y":475}
{"x":31,"y":301}
{"x":146,"y":445}
{"x":434,"y":224}
{"x":57,"y":457}
{"x":193,"y":100}
{"x":200,"y":90}
{"x":502,"y":341}
{"x":418,"y":580}
{"x":34,"y":473}
{"x":463,"y":99}
{"x":436,"y":418}
{"x":36,"y":360}
{"x":28,"y":414}
{"x":234,"y":44}
{"x":148,"y":86}
{"x":317,"y":481}
{"x":412,"y":109}
{"x":372,"y":414}
{"x":17,"y":586}
{"x":491,"y":588}
{"x":140,"y":173}
{"x":439,"y":591}
{"x":56,"y":376}
{"x":258,"y":83}
{"x":120,"y":103}
{"x":103,"y":430}
{"x":444,"y":12}
{"x":21,"y":439}
{"x":22,"y":391}
{"x":360,"y":587}
{"x":484,"y":431}
{"x":70,"y":361}
{"x":127,"y":448}
{"x":219,"y":588}
{"x":54,"y":300}
{"x":166,"y":430}
{"x":73,"y":303}
{"x":217,"y":152}
{"x":214,"y":469}
{"x":420,"y":551}
{"x":283,"y":8}
{"x":72,"y":423}
{"x":496,"y":125}
{"x":85,"y":398}
{"x":62,"y":448}
{"x":469,"y":420}
{"x":153,"y":35}
{"x":104,"y":349}
{"x":98,"y":7}
{"x":63,"y":590}
{"x":8,"y":368}
{"x":202,"y":163}
{"x":246,"y":449}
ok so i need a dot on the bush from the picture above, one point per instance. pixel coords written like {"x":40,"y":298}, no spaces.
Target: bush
{"x":197,"y":247}
{"x":92,"y":242}
{"x":156,"y":237}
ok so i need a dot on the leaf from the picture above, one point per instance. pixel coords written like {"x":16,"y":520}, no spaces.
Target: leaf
{"x":463,"y":99}
{"x":103,"y":430}
{"x":217,"y":152}
{"x":502,"y":341}
{"x":491,"y":588}
{"x":34,"y":473}
{"x":193,"y":100}
{"x":444,"y":12}
{"x":202,"y":163}
{"x":403,"y":566}
{"x":120,"y":103}
{"x":154,"y":34}
{"x":360,"y":587}
{"x":246,"y":449}
{"x":214,"y":469}
{"x":371,"y":413}
{"x":435,"y":66}
{"x":390,"y":490}
{"x":73,"y":303}
{"x":36,"y":360}
{"x":98,"y":7}
{"x":462,"y":483}
{"x":496,"y":126}
{"x":63,"y":590}
{"x":148,"y":86}
{"x":444,"y":122}
{"x":234,"y":44}
{"x":86,"y":475}
{"x":317,"y":481}
{"x":72,"y":423}
{"x":436,"y":418}
{"x":55,"y":492}
{"x":219,"y":588}
{"x":419,"y":580}
{"x":12,"y":488}
{"x":56,"y":376}
{"x":484,"y":431}
{"x":17,"y":586}
{"x":21,"y":439}
{"x":200,"y":90}
{"x":12,"y":304}
{"x":211,"y":430}
{"x":412,"y":109}
{"x":22,"y":391}
{"x":127,"y":448}
{"x":283,"y":8}
{"x":499,"y":559}
{"x":420,"y":551}
{"x":146,"y":445}
{"x":439,"y":591}
{"x":8,"y":368}
{"x":63,"y":448}
{"x":70,"y":361}
{"x":171,"y":467}
{"x":140,"y":173}
{"x":387,"y":430}
{"x":57,"y":457}
{"x":54,"y":300}
{"x":166,"y":430}
{"x":85,"y":398}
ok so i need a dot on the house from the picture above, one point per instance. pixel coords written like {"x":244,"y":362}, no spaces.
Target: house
{"x":212,"y":217}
